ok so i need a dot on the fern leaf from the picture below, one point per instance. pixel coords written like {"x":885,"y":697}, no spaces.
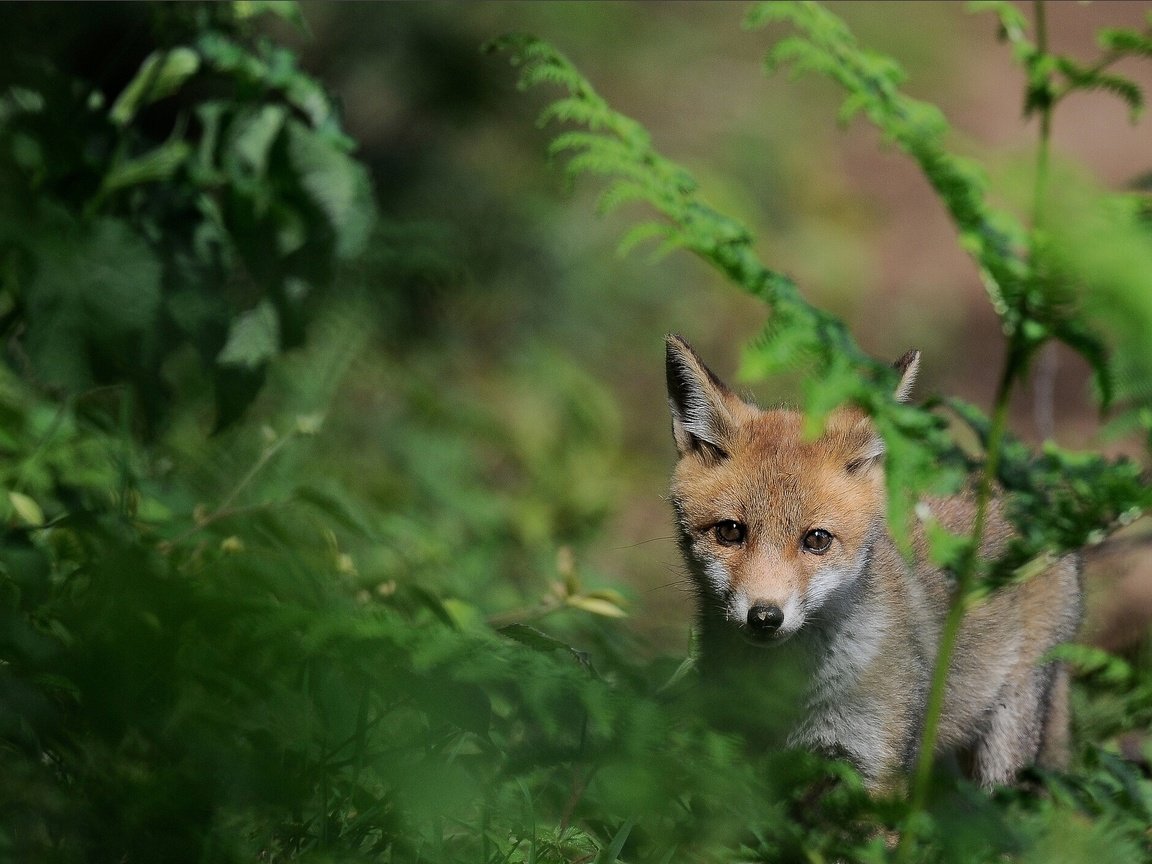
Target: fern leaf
{"x":1092,"y":348}
{"x":572,"y":110}
{"x":1078,"y":77}
{"x":803,"y":56}
{"x":605,"y":164}
{"x":641,"y":233}
{"x":618,"y":148}
{"x":573,"y":140}
{"x":1127,"y":90}
{"x":853,"y":104}
{"x":871,"y":82}
{"x":673,"y":241}
{"x":1013,"y":22}
{"x":1125,"y":42}
{"x":623,"y":192}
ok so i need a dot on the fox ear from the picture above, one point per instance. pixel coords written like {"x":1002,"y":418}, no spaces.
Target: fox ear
{"x":701,"y":420}
{"x":869,"y":450}
{"x":908,"y":366}
{"x":867,"y":446}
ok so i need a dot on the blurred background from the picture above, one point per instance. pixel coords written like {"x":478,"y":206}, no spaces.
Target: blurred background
{"x":489,"y":372}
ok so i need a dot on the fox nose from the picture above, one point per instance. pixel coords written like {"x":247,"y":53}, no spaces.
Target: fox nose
{"x":765,"y":618}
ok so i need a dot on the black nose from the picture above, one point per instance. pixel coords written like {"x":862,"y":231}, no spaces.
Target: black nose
{"x":765,"y":619}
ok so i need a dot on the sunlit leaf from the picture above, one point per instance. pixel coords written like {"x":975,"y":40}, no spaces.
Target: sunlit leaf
{"x":26,"y":508}
{"x":160,"y":75}
{"x":253,"y":338}
{"x":337,"y":184}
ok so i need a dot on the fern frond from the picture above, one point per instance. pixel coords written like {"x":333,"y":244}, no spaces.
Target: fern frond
{"x":573,"y":140}
{"x":1013,"y":22}
{"x":614,"y":146}
{"x":642,"y":233}
{"x":1127,"y":90}
{"x":597,"y":161}
{"x":623,"y":192}
{"x":800,"y":53}
{"x":871,"y":82}
{"x":1078,"y":77}
{"x":1125,"y":42}
{"x":674,"y":241}
{"x":573,"y":110}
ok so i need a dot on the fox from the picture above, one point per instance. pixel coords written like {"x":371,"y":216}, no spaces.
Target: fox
{"x":789,"y":551}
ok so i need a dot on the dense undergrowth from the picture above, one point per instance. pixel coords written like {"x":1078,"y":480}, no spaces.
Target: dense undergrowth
{"x":225,"y":648}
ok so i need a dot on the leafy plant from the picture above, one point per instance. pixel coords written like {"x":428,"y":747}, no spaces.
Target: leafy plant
{"x":201,"y":203}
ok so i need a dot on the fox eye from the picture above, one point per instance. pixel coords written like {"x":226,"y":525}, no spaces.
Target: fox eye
{"x":817,"y":541}
{"x":729,"y":532}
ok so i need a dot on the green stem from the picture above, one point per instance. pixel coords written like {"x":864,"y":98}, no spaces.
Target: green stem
{"x":1044,"y":145}
{"x":225,"y":508}
{"x":1014,"y":364}
{"x":965,"y":577}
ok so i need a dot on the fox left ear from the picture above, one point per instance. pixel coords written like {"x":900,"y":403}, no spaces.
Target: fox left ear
{"x":701,"y":420}
{"x":908,"y":366}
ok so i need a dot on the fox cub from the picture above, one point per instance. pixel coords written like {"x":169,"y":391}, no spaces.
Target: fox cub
{"x":787,"y":544}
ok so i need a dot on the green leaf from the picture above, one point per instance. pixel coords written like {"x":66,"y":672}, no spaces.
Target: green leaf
{"x":337,"y":184}
{"x":332,"y":506}
{"x":26,"y":508}
{"x":1123,"y":41}
{"x":640,"y":233}
{"x":253,"y":338}
{"x":96,"y":296}
{"x":160,"y":75}
{"x":535,"y":639}
{"x":611,"y":853}
{"x":250,"y":138}
{"x":159,"y":163}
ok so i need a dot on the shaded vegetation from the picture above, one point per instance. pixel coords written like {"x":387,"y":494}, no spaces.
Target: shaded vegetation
{"x":280,"y":582}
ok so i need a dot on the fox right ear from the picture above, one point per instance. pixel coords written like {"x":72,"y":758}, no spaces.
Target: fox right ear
{"x":908,"y":366}
{"x":701,"y":420}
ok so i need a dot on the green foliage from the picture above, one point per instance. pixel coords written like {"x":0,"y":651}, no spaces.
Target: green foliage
{"x":619,"y":148}
{"x":119,"y":207}
{"x":302,"y":639}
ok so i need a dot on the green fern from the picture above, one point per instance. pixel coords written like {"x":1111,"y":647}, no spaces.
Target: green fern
{"x":871,"y":80}
{"x":618,"y":148}
{"x":1025,"y":293}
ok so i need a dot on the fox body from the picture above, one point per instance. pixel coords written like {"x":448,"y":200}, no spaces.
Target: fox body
{"x":787,"y":542}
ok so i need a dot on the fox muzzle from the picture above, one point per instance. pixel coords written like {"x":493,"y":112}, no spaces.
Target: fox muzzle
{"x":764,"y":619}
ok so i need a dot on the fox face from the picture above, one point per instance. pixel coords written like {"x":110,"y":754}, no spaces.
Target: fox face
{"x":775,"y":528}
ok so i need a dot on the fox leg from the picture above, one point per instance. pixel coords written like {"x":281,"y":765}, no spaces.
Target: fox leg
{"x":1015,"y":725}
{"x":1055,"y":734}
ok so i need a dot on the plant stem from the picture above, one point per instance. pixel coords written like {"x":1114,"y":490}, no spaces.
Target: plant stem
{"x":225,"y":508}
{"x":1043,"y":145}
{"x":1044,"y":384}
{"x":1014,"y":364}
{"x":965,"y":577}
